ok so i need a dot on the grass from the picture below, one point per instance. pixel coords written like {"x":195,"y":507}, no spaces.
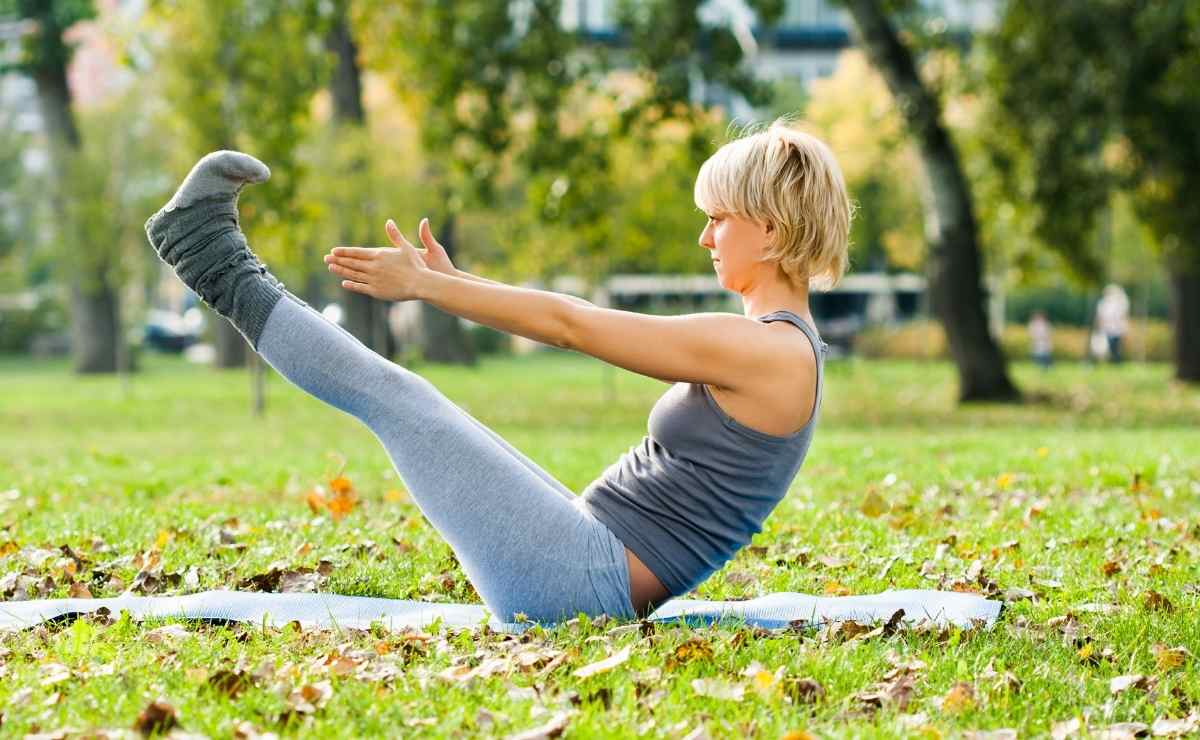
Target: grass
{"x":1087,"y":496}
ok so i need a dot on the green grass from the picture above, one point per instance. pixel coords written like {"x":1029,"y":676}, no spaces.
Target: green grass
{"x":1103,"y":468}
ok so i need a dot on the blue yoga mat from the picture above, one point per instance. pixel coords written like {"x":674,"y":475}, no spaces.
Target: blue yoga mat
{"x":327,"y":610}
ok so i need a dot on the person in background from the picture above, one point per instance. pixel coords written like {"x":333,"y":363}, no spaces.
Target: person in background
{"x":1112,"y":319}
{"x":1040,"y":339}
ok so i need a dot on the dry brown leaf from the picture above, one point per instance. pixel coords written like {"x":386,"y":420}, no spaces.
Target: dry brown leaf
{"x":1164,"y":727}
{"x":54,"y":673}
{"x":1132,"y":681}
{"x":803,"y":690}
{"x":551,"y":729}
{"x":1067,"y":728}
{"x":605,"y":665}
{"x":166,"y":633}
{"x":1155,"y":601}
{"x":1166,"y":658}
{"x":693,"y":648}
{"x":158,"y":717}
{"x":960,"y":698}
{"x":873,"y":505}
{"x":79,"y":590}
{"x":229,"y":683}
{"x":718,"y":689}
{"x":835,"y":588}
{"x":1124,"y":731}
{"x":310,"y":697}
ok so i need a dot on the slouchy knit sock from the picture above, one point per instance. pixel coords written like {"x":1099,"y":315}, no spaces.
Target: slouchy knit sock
{"x":197,"y":233}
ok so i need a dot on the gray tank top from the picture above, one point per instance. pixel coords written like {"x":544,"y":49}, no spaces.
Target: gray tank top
{"x":700,"y":485}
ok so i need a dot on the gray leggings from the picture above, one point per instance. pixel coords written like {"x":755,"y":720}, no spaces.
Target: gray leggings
{"x":521,"y":536}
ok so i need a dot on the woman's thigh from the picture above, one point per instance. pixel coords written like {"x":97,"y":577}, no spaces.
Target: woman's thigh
{"x":513,"y":451}
{"x":525,"y":545}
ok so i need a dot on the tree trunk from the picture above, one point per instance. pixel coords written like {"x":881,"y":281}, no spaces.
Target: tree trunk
{"x":230,"y":345}
{"x":1185,"y":323}
{"x":954,"y":261}
{"x":442,"y":337}
{"x":363,"y":316}
{"x":95,"y":304}
{"x":95,"y":331}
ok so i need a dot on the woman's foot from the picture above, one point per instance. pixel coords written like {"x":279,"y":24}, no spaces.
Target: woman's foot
{"x":197,"y":233}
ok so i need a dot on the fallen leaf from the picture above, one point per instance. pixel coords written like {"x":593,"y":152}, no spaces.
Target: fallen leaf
{"x":803,"y":690}
{"x":1157,"y":602}
{"x":959,"y":698}
{"x":717,"y":689}
{"x":54,"y":673}
{"x":693,"y":648}
{"x":551,"y":729}
{"x":1166,"y":658}
{"x":158,"y":717}
{"x":873,"y":505}
{"x":229,"y":683}
{"x":1124,"y":731}
{"x":1175,"y":727}
{"x":603,"y":666}
{"x":309,"y":697}
{"x":166,"y":633}
{"x":1067,"y":728}
{"x":1132,"y":681}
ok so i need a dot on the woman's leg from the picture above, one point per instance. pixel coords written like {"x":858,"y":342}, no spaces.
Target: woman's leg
{"x":525,"y":546}
{"x":524,"y":543}
{"x":513,"y":451}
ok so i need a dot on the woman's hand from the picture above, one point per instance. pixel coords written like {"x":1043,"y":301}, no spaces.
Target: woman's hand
{"x":434,"y":253}
{"x":388,"y":274}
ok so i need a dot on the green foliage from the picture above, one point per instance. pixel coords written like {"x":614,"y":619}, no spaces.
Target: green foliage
{"x":44,"y":48}
{"x":239,"y":74}
{"x":1098,"y":119}
{"x":518,"y":114}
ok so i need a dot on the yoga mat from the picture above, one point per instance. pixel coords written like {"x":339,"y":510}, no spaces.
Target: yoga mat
{"x":327,"y":610}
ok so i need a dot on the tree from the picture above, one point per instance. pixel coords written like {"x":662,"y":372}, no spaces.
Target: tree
{"x":45,"y":57}
{"x":854,"y":113}
{"x":365,"y":317}
{"x":954,"y":262}
{"x":1115,"y":111}
{"x":240,"y":74}
{"x":502,"y":90}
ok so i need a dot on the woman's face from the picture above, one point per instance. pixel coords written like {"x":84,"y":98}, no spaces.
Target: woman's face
{"x":736,"y":246}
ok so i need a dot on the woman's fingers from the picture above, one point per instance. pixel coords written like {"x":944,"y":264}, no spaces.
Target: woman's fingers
{"x":357,"y":287}
{"x":426,"y":236}
{"x":352,"y":262}
{"x":362,"y":253}
{"x":338,"y":268}
{"x":393,"y":232}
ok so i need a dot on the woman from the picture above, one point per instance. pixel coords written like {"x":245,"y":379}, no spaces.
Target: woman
{"x":724,"y":442}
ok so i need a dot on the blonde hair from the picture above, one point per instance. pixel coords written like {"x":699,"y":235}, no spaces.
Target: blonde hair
{"x":789,"y":179}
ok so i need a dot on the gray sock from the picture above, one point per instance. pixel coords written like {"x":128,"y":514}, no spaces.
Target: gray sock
{"x":197,"y":233}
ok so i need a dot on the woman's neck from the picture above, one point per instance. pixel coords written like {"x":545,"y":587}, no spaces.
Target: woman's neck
{"x":776,"y":295}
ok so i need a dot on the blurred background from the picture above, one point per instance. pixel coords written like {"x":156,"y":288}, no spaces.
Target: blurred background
{"x":1026,"y":174}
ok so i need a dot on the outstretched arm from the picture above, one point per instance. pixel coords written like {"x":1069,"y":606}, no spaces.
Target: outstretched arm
{"x":720,"y":349}
{"x":436,"y":258}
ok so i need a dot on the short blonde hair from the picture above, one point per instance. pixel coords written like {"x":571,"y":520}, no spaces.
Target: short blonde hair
{"x":789,"y":179}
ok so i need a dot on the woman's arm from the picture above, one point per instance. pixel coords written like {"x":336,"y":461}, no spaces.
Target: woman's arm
{"x":468,"y":276}
{"x":720,"y":349}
